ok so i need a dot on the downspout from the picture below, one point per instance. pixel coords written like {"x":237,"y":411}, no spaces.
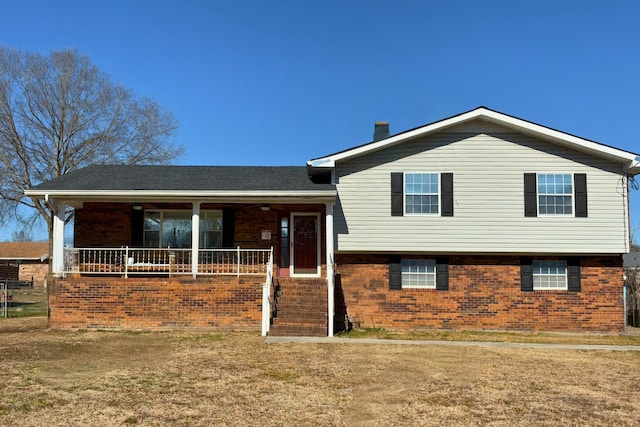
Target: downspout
{"x":627,"y":249}
{"x":628,"y":243}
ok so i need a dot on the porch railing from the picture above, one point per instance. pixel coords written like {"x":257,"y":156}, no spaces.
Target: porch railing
{"x":124,"y":261}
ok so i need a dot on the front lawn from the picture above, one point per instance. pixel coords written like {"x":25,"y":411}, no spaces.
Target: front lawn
{"x":186,"y":379}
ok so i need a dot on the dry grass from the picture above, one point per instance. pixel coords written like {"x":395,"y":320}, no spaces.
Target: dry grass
{"x":185,"y":379}
{"x":630,"y":337}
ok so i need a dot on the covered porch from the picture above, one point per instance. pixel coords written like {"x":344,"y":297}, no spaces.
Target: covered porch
{"x":137,"y":226}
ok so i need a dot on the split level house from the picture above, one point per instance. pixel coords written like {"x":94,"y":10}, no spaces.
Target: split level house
{"x":480,"y":221}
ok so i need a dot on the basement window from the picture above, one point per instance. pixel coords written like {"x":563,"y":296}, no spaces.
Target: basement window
{"x":549,"y":275}
{"x":418,"y":273}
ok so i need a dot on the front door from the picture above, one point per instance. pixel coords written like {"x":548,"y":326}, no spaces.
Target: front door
{"x":305,"y":244}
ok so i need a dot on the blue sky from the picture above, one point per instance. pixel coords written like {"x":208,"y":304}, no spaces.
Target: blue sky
{"x":281,"y":82}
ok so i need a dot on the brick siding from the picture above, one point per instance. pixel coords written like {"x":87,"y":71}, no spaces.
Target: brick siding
{"x":216,"y":303}
{"x":484,"y":294}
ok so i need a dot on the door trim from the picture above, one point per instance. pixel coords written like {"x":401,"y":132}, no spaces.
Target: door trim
{"x":292,"y":268}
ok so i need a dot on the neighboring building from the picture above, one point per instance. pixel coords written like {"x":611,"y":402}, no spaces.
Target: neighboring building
{"x":24,"y":261}
{"x":478,"y":221}
{"x":631,"y":260}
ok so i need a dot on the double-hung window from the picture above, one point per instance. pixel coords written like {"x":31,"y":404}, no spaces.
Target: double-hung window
{"x":418,"y":273}
{"x":555,"y":194}
{"x":549,"y":275}
{"x":422,"y":193}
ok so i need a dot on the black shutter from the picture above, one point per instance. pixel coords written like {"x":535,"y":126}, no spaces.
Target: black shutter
{"x":397,"y":207}
{"x":446,"y":180}
{"x":573,"y":275}
{"x":395,"y":273}
{"x":442,"y":274}
{"x":137,"y":228}
{"x":580,"y":182}
{"x":228,"y":223}
{"x":530,"y":195}
{"x":526,"y":274}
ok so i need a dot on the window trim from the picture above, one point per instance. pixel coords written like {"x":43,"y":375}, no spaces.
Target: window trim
{"x":441,"y":270}
{"x":571,"y":195}
{"x":438,"y":194}
{"x":537,"y":287}
{"x":427,"y":275}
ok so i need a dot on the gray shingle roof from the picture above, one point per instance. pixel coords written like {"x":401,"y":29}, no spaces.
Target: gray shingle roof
{"x":187,"y":178}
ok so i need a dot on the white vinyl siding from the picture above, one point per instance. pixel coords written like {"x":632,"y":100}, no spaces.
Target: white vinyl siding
{"x":488,"y":198}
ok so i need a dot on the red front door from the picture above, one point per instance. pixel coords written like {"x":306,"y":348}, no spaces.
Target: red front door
{"x":305,"y":244}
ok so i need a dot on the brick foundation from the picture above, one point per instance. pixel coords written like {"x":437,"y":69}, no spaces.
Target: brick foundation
{"x":217,"y":303}
{"x":484,"y":294}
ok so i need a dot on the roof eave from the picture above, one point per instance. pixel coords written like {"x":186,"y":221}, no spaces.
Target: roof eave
{"x":140,"y":196}
{"x":634,"y":167}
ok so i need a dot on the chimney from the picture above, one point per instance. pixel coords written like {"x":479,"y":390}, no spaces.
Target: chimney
{"x":381,"y":131}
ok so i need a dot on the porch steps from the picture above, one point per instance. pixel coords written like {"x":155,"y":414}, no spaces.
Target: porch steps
{"x":301,"y":307}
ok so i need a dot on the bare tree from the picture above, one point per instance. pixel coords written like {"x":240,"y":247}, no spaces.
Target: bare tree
{"x":58,"y":113}
{"x":21,"y":236}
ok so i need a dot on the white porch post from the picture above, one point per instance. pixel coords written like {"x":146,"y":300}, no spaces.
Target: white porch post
{"x":57,"y":256}
{"x":195,"y":238}
{"x":330,"y":272}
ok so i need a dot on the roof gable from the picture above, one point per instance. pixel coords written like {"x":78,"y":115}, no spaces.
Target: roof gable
{"x":491,"y":119}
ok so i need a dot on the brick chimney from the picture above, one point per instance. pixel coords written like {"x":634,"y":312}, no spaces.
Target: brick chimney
{"x":381,"y":131}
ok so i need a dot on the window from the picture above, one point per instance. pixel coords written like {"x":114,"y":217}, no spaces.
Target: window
{"x":555,"y":194}
{"x":210,"y":229}
{"x":284,"y":242}
{"x":418,"y":273}
{"x":549,"y":274}
{"x":422,"y":193}
{"x":173,"y":229}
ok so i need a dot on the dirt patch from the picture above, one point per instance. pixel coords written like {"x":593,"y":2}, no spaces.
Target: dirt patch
{"x":109,"y":378}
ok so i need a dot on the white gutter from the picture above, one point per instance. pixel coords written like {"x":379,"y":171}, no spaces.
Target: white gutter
{"x":177,"y":193}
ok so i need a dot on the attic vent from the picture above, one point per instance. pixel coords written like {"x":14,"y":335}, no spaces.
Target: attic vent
{"x":381,"y":131}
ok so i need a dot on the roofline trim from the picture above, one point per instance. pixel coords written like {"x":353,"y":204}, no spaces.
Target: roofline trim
{"x":628,"y":158}
{"x":176,"y":193}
